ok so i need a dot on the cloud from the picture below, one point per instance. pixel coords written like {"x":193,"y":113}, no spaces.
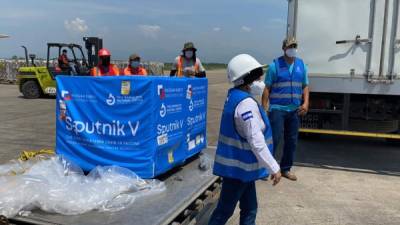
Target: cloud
{"x":276,"y":23}
{"x":217,"y":29}
{"x":150,"y":30}
{"x":76,"y":25}
{"x":246,"y":29}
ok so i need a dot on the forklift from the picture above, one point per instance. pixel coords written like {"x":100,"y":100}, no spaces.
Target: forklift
{"x":35,"y":81}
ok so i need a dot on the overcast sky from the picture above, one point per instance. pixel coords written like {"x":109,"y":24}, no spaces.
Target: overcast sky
{"x":156,"y":29}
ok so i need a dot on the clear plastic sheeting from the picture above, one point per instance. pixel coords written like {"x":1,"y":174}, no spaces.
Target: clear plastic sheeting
{"x":57,"y":185}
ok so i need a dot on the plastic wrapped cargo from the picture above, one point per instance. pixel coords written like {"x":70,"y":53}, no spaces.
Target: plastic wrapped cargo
{"x":57,"y":185}
{"x":146,"y":124}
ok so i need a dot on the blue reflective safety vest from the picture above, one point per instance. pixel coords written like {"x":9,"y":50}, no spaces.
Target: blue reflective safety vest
{"x":234,"y":158}
{"x":287,"y":89}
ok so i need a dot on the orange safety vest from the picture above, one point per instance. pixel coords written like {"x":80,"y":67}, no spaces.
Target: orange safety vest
{"x":98,"y":71}
{"x":139,"y":71}
{"x":179,"y":67}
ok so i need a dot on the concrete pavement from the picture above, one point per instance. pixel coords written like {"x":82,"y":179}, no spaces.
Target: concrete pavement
{"x":342,"y":181}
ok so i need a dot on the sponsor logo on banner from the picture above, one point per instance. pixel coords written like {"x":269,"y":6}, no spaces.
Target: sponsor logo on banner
{"x":174,"y":92}
{"x":171,"y":157}
{"x":170,"y":109}
{"x":189,"y":92}
{"x":163,"y":110}
{"x":198,"y":140}
{"x":199,"y":89}
{"x":125,"y":87}
{"x":123,"y":100}
{"x":162,"y":139}
{"x":191,"y":105}
{"x":161,"y":91}
{"x":65,"y":95}
{"x":110,"y":100}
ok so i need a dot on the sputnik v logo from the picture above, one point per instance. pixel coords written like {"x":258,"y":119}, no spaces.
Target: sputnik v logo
{"x":110,"y":100}
{"x":163,"y":110}
{"x":191,"y":105}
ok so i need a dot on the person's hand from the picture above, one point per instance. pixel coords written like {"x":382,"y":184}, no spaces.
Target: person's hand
{"x":189,"y":72}
{"x":303,"y":109}
{"x":276,"y":177}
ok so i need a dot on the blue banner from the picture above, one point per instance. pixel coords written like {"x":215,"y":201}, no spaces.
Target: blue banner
{"x":146,"y":124}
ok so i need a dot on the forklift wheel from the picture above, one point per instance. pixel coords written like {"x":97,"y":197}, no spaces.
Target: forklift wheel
{"x":30,"y":89}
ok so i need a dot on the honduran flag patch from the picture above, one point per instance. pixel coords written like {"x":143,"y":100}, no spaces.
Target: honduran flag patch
{"x":247,"y":115}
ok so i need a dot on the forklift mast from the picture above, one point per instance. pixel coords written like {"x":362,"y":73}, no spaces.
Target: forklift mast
{"x":93,"y":45}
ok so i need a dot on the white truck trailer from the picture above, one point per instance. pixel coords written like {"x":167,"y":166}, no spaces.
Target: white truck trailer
{"x":352,"y":49}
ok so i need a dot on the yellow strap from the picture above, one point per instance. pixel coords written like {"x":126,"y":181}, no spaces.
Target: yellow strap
{"x":26,"y":155}
{"x":351,"y":133}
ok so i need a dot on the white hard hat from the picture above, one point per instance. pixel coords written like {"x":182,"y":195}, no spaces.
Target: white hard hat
{"x":240,"y":66}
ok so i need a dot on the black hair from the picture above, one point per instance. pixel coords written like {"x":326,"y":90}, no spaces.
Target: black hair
{"x":252,"y":76}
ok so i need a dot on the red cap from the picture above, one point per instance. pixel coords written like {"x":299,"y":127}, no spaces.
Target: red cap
{"x":104,"y":52}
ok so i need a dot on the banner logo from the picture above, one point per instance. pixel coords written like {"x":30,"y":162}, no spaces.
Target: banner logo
{"x":110,"y":100}
{"x":161,"y":91}
{"x":191,"y":105}
{"x":163,"y":110}
{"x":189,"y":92}
{"x":65,"y":95}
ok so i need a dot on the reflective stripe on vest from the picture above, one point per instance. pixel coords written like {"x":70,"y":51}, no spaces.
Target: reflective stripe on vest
{"x":237,"y":163}
{"x":238,"y":144}
{"x":283,"y":96}
{"x":179,"y":67}
{"x":287,"y":84}
{"x":112,"y":71}
{"x":234,"y":157}
{"x":287,"y":89}
{"x":140,"y":71}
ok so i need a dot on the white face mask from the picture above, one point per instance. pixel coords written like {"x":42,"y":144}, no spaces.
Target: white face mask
{"x":135,"y":64}
{"x":188,"y":54}
{"x":257,"y":87}
{"x":291,"y":52}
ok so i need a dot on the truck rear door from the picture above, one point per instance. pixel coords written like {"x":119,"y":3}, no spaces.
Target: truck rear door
{"x":358,"y":38}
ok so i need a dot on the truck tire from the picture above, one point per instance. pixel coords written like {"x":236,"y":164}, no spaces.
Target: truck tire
{"x":30,"y":89}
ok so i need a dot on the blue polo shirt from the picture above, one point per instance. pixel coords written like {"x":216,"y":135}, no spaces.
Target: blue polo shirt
{"x":270,"y":77}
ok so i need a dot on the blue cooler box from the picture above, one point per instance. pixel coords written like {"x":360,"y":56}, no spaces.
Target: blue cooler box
{"x":146,"y":124}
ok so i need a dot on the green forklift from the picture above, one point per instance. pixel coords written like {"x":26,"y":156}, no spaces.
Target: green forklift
{"x":35,"y":81}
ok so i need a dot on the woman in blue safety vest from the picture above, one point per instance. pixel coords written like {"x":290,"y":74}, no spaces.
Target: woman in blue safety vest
{"x":244,"y":145}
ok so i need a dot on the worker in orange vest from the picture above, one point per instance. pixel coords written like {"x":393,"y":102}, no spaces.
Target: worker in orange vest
{"x":187,"y":64}
{"x":135,"y":67}
{"x":105,"y":67}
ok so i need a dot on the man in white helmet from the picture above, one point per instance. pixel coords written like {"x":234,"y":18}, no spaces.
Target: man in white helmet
{"x":245,"y":143}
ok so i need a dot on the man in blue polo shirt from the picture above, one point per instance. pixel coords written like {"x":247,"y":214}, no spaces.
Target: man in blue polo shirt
{"x":286,"y":97}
